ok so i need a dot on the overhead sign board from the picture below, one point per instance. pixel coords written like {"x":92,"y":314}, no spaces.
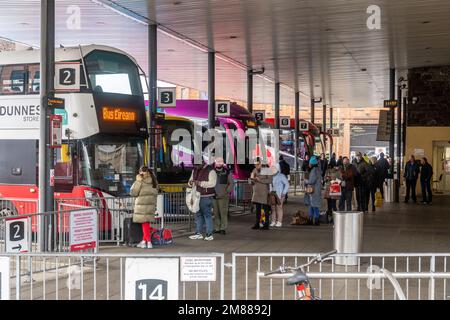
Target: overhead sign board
{"x":260,"y":115}
{"x":384,"y":126}
{"x":17,"y":240}
{"x":167,"y":97}
{"x":67,"y":76}
{"x":152,"y":279}
{"x":83,"y":229}
{"x":56,"y":103}
{"x":285,"y":122}
{"x":223,"y":108}
{"x":303,"y":126}
{"x":4,"y":278}
{"x":390,"y":103}
{"x":195,"y":269}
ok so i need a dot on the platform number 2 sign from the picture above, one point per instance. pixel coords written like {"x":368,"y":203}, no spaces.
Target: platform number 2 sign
{"x":17,"y":240}
{"x":67,"y":77}
{"x":151,"y":289}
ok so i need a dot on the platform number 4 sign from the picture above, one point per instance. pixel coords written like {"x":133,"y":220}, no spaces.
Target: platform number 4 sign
{"x":151,"y":289}
{"x":167,"y":97}
{"x":223,"y":108}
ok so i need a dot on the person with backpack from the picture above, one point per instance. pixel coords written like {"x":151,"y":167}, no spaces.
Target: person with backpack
{"x":411,"y":174}
{"x":222,"y":199}
{"x":333,"y":174}
{"x":426,"y":174}
{"x":145,"y":190}
{"x":383,"y":168}
{"x":204,"y":177}
{"x":285,"y":169}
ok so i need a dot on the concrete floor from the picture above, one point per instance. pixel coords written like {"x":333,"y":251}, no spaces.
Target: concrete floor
{"x":392,"y":228}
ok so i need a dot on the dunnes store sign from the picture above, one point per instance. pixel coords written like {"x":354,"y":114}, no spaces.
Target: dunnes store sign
{"x":19,"y":114}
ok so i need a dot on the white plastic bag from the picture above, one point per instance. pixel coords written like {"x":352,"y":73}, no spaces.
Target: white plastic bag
{"x":193,"y":199}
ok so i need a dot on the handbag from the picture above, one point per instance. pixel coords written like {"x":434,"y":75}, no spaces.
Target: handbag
{"x":309,"y":189}
{"x":273,"y":199}
{"x":193,"y":199}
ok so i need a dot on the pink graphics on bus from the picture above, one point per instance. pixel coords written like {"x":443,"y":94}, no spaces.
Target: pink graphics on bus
{"x":239,"y":121}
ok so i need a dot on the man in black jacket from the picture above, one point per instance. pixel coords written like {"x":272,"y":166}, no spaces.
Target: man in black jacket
{"x":426,"y":174}
{"x":382,"y":172}
{"x":411,"y":174}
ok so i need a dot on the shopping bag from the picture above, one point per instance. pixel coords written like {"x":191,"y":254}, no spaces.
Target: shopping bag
{"x":335,"y":189}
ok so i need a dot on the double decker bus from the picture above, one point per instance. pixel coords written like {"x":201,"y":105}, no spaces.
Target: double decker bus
{"x":104,"y":126}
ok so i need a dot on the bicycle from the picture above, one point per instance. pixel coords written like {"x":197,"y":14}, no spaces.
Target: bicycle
{"x":300,"y":279}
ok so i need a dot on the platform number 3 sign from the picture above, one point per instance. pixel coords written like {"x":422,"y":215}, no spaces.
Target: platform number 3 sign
{"x":167,"y":97}
{"x":223,"y":108}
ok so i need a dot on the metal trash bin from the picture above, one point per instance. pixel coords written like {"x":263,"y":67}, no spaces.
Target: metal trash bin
{"x":389,"y":191}
{"x":348,"y":235}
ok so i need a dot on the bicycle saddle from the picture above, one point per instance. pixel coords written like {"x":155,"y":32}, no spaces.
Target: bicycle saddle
{"x":299,"y":277}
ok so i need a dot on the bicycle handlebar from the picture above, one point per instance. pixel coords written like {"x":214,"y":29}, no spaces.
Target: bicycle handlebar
{"x":318,"y":258}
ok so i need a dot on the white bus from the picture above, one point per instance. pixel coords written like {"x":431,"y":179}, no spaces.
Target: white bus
{"x":104,"y":124}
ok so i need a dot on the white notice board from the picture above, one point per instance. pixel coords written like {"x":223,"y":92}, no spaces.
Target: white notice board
{"x":198,"y":269}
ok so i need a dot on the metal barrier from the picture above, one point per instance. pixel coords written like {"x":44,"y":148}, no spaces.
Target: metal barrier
{"x":15,"y":206}
{"x":420,"y":276}
{"x":114,"y":210}
{"x":241,"y":198}
{"x":297,"y":182}
{"x":69,"y":277}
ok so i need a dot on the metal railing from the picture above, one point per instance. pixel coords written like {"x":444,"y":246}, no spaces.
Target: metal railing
{"x":297,"y":182}
{"x":420,"y":276}
{"x":15,"y":206}
{"x":98,"y":277}
{"x":241,"y":197}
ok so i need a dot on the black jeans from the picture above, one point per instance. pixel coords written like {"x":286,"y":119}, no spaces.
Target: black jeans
{"x":346,"y":197}
{"x":426,"y":189}
{"x":361,"y":197}
{"x":411,"y":189}
{"x":331,"y":206}
{"x":370,"y":195}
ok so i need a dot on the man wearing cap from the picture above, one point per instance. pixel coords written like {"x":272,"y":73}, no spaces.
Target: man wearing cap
{"x":223,"y":188}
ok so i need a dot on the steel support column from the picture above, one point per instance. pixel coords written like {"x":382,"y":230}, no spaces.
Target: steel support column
{"x":405,"y":112}
{"x":312,"y":110}
{"x":153,"y":89}
{"x":211,"y":89}
{"x":399,"y":142}
{"x":297,"y":128}
{"x":277,"y":105}
{"x":250,"y":91}
{"x":331,"y":118}
{"x":46,"y":155}
{"x":392,"y":125}
{"x":324,"y":120}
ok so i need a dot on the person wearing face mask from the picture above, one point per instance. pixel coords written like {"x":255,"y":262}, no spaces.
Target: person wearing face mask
{"x":348,"y":174}
{"x":221,"y":201}
{"x":362,"y":182}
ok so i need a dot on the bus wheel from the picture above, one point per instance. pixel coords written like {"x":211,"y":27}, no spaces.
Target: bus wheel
{"x":7,"y":209}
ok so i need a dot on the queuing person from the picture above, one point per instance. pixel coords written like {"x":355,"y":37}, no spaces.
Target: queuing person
{"x":145,"y":189}
{"x":305,"y":164}
{"x":371,"y":183}
{"x":204,"y":177}
{"x":280,"y":185}
{"x":333,"y":162}
{"x":426,"y":174}
{"x":411,"y":174}
{"x":348,"y":173}
{"x":261,"y":186}
{"x":382,"y":172}
{"x":313,"y":199}
{"x":285,"y":169}
{"x":221,"y":201}
{"x":340,"y":161}
{"x":333,"y":173}
{"x":323,"y":165}
{"x":361,"y":182}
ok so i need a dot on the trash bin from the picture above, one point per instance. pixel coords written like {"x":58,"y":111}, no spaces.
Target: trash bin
{"x":389,"y":191}
{"x":348,"y":235}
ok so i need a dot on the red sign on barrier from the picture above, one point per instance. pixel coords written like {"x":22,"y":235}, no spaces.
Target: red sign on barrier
{"x":83,"y":230}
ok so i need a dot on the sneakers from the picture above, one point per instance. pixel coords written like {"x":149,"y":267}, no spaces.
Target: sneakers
{"x":278,"y":224}
{"x":209,"y":237}
{"x":149,"y":245}
{"x":196,"y":237}
{"x":142,"y":245}
{"x":273,"y":224}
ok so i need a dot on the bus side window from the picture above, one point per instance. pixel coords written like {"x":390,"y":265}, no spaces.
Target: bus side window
{"x":34,"y":78}
{"x":12,"y":80}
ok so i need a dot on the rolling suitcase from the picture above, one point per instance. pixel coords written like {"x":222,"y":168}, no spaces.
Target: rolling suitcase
{"x":132,"y":232}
